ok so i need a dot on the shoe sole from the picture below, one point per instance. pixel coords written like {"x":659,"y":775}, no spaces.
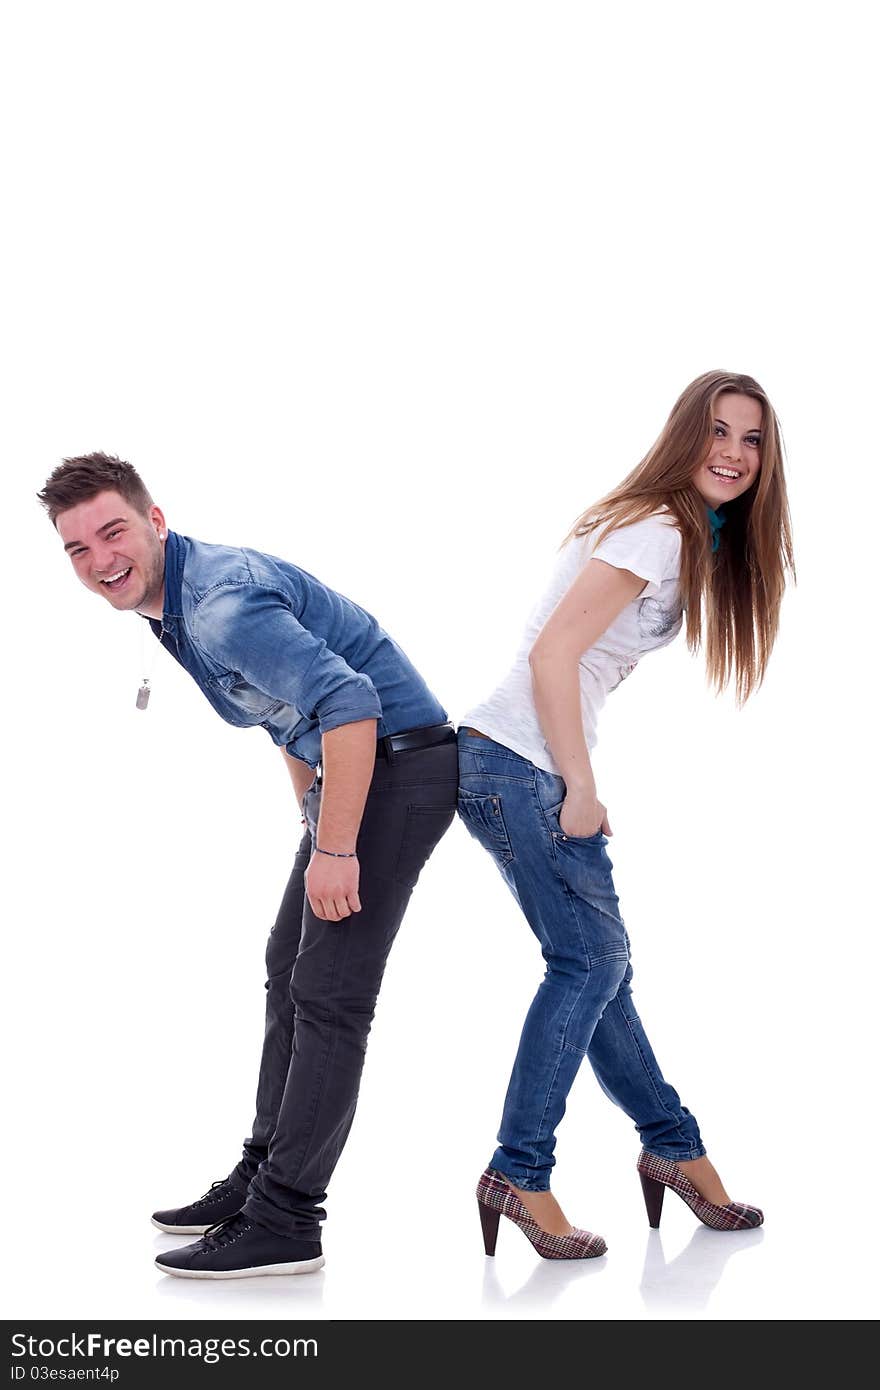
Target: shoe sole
{"x":179,"y":1230}
{"x":293,"y":1267}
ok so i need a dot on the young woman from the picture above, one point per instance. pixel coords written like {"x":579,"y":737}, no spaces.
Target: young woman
{"x":699,"y":527}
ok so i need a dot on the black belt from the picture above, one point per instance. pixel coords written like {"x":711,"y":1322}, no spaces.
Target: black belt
{"x":404,"y":742}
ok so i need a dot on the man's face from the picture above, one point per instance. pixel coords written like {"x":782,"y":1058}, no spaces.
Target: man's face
{"x":115,"y":551}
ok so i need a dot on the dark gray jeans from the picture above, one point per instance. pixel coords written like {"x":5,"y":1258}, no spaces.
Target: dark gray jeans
{"x":323,"y":981}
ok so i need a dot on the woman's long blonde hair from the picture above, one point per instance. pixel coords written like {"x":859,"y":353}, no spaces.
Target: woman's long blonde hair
{"x":731,"y":598}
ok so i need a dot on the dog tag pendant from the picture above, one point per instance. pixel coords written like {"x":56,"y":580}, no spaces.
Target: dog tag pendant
{"x":143,"y":696}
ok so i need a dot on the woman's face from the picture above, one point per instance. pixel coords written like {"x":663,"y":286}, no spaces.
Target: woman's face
{"x":734,"y":458}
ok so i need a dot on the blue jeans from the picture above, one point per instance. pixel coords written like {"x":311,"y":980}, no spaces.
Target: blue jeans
{"x":584,"y":1005}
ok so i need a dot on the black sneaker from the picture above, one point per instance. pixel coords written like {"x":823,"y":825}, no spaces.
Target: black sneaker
{"x":222,"y":1199}
{"x":238,"y":1247}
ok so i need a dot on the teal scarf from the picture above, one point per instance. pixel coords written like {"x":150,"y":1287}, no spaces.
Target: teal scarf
{"x":716,"y":521}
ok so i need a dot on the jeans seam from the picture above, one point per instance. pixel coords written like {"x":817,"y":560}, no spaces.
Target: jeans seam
{"x":580,"y":993}
{"x":594,"y":907}
{"x":321,"y":1074}
{"x":647,"y":1069}
{"x":565,"y":1047}
{"x":569,"y":898}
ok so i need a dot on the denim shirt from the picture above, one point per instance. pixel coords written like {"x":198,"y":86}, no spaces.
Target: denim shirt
{"x":270,"y":645}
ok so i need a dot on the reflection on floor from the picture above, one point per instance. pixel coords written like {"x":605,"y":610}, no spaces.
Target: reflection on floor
{"x":684,"y":1284}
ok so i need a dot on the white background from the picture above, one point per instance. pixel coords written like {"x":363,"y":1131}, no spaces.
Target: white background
{"x":395,"y":290}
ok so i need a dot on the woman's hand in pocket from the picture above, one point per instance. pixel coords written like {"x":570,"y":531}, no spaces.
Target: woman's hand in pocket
{"x":582,"y":817}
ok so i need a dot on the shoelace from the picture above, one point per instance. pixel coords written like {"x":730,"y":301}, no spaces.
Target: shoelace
{"x":222,"y":1232}
{"x":206,"y":1196}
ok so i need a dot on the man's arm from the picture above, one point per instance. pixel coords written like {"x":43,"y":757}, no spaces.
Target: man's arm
{"x":251,"y":629}
{"x":292,"y":664}
{"x":347,"y":760}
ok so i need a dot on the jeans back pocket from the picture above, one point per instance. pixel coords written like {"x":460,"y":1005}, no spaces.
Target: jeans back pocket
{"x":483,"y":814}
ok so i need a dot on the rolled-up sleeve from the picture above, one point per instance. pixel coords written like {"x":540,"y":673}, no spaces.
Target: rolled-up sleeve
{"x":251,"y":629}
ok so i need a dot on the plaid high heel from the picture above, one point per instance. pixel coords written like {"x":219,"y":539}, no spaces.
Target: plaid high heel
{"x":656,"y":1174}
{"x":496,"y":1199}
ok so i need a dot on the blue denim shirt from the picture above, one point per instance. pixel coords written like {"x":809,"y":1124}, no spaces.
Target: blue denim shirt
{"x":269,"y":644}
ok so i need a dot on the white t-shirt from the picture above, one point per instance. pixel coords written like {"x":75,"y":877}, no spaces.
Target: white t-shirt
{"x":651,"y":549}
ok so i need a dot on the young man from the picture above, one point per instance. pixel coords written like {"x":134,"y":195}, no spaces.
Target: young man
{"x":269,"y":644}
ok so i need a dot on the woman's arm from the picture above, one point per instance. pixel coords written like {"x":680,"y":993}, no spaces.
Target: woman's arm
{"x":598,"y":595}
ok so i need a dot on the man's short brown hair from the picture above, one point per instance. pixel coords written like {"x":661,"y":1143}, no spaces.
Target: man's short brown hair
{"x":80,"y":479}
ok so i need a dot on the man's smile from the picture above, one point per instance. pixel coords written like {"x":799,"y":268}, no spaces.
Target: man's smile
{"x":116,"y":581}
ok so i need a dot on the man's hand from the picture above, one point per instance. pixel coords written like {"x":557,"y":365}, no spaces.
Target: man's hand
{"x":332,"y":887}
{"x":348,"y":756}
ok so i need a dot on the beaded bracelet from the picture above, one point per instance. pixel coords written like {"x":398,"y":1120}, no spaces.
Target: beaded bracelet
{"x":334,"y":855}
